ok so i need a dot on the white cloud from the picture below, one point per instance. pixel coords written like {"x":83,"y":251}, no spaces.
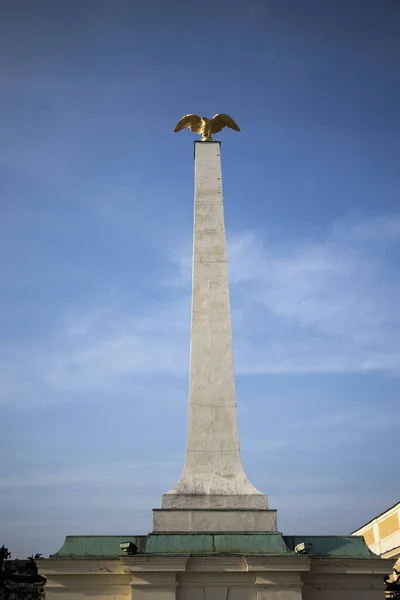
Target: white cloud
{"x":327,"y":306}
{"x":380,"y":229}
{"x":114,"y":474}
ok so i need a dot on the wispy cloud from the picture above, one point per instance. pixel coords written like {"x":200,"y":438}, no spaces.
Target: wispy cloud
{"x":322,"y":306}
{"x":93,"y":474}
{"x":304,"y":306}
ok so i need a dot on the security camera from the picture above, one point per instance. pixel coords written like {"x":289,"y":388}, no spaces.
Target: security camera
{"x":129,"y":547}
{"x":303,"y":548}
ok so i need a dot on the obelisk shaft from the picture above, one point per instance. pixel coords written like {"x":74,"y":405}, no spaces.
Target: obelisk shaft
{"x":213,"y":475}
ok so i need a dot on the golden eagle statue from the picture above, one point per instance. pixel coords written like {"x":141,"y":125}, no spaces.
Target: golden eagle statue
{"x":206,"y":126}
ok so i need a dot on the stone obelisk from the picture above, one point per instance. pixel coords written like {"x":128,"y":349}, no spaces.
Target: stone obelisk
{"x":213,"y":493}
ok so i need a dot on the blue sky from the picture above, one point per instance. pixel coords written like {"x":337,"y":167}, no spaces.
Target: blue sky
{"x":97,"y":199}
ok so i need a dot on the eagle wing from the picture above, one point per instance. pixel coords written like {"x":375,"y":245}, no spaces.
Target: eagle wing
{"x":191,"y":121}
{"x":220,"y":121}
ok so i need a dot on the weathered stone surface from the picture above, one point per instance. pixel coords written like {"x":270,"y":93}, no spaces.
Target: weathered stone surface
{"x":236,"y":501}
{"x":214,"y":520}
{"x":241,"y":577}
{"x":213,"y":474}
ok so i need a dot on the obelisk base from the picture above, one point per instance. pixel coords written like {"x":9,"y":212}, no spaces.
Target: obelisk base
{"x":200,"y":501}
{"x":213,"y":520}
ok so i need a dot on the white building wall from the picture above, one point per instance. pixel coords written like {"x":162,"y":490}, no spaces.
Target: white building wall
{"x":382,"y":534}
{"x":219,"y":577}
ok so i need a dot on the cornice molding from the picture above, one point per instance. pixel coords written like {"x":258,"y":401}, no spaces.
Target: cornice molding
{"x":151,"y":563}
{"x":352,"y":566}
{"x":84,"y":566}
{"x":297,"y":564}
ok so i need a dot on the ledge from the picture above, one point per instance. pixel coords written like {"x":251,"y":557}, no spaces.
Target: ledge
{"x":216,"y":543}
{"x":329,"y":548}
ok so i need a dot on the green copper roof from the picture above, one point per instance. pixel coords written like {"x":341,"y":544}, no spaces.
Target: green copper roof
{"x":221,"y":543}
{"x":97,"y":546}
{"x":250,"y":543}
{"x":107,"y":546}
{"x":340,"y":546}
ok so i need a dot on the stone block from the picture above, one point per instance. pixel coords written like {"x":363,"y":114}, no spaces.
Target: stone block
{"x":213,"y":520}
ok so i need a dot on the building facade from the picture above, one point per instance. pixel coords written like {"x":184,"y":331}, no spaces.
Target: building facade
{"x":382,"y":533}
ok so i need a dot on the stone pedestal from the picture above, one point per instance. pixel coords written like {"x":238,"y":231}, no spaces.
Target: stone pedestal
{"x":214,"y":520}
{"x":256,"y":578}
{"x":260,"y":566}
{"x":217,"y":577}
